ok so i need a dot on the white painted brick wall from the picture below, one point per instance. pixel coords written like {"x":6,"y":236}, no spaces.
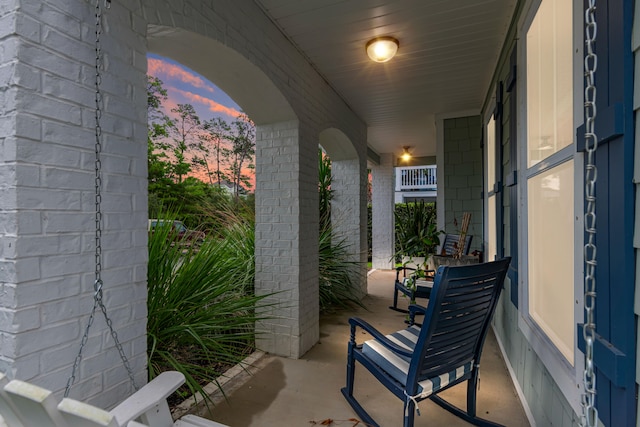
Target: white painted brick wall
{"x":382,"y":205}
{"x":9,"y":316}
{"x":46,"y":138}
{"x":281,"y":265}
{"x":349,"y":211}
{"x":47,"y":178}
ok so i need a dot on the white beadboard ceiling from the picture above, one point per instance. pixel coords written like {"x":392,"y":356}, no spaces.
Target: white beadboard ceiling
{"x":448,"y":52}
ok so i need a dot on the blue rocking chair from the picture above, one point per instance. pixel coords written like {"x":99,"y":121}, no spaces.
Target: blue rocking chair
{"x":419,"y":362}
{"x":402,"y":285}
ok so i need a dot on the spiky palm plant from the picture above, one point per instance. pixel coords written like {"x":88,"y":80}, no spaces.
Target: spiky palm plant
{"x":337,"y":270}
{"x":201,"y":307}
{"x":336,"y":286}
{"x":417,"y":234}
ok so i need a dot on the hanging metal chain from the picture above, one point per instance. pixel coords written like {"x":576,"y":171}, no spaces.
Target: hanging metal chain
{"x":98,"y":284}
{"x":589,"y":410}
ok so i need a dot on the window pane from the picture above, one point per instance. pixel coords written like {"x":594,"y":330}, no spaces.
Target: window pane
{"x":492,"y":250}
{"x":549,"y":80}
{"x":551,"y":254}
{"x":491,"y":154}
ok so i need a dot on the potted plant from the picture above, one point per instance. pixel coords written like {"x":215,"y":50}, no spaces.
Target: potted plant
{"x":417,"y":235}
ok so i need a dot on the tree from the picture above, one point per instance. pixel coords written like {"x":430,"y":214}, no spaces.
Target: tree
{"x":159,"y":123}
{"x":242,"y":151}
{"x":183,"y":131}
{"x":158,"y":168}
{"x":156,"y":94}
{"x":179,"y":144}
{"x":215,"y":141}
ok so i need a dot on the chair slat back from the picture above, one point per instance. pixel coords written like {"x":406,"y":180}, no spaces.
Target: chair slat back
{"x":462,"y":302}
{"x":7,"y":410}
{"x":26,"y":405}
{"x":36,"y":406}
{"x":451,"y":241}
{"x":79,"y":414}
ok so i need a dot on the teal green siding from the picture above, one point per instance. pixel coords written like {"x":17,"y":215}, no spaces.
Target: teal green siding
{"x":463,"y":176}
{"x":542,"y":396}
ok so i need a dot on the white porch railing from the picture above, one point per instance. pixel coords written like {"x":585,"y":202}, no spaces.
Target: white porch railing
{"x":416,"y":178}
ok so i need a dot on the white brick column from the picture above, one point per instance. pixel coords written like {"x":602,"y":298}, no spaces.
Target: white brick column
{"x":382,"y":207}
{"x":287,"y":237}
{"x":47,"y":197}
{"x":349,"y":209}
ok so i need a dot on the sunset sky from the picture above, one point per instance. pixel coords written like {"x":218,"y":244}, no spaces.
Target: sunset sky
{"x":185,"y":86}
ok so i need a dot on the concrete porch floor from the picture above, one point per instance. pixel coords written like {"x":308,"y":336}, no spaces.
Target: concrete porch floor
{"x":306,"y":392}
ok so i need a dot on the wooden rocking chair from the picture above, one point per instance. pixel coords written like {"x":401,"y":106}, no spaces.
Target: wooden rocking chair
{"x":26,"y":405}
{"x":402,"y":284}
{"x":419,"y":362}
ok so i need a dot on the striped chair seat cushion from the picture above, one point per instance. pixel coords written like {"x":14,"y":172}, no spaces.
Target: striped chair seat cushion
{"x":408,"y":282}
{"x":397,"y":366}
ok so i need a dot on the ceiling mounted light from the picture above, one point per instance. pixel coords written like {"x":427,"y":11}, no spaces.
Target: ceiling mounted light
{"x":406,"y":155}
{"x":382,"y":49}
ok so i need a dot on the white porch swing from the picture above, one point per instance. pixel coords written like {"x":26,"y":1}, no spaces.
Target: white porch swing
{"x":26,"y":405}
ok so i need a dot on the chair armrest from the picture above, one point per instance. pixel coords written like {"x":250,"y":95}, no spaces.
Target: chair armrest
{"x":148,"y":396}
{"x":413,"y":310}
{"x":417,"y":309}
{"x":356,"y":321}
{"x":404,"y":269}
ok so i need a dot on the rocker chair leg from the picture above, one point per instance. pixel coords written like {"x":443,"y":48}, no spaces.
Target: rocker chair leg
{"x":409,"y":414}
{"x":469,"y":416}
{"x":347,"y":391}
{"x":395,"y":303}
{"x":364,"y":416}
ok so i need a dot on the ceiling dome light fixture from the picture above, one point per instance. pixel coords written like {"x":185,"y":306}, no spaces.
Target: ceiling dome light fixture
{"x":382,"y":49}
{"x":406,"y":155}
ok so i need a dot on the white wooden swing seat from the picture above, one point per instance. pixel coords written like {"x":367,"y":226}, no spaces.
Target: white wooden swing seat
{"x":26,"y":405}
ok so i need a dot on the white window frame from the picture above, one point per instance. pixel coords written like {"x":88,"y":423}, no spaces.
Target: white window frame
{"x":490,"y":196}
{"x":568,"y":376}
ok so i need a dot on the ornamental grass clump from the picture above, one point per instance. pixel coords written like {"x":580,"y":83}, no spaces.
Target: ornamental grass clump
{"x":336,"y":285}
{"x":337,"y":269}
{"x":201,"y":305}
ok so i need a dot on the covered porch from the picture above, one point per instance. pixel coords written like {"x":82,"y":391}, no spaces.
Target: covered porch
{"x":298,"y":392}
{"x":456,"y":93}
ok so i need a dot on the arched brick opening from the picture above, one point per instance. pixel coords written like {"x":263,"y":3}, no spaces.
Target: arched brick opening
{"x":243,"y":81}
{"x":265,"y":73}
{"x":277,"y":134}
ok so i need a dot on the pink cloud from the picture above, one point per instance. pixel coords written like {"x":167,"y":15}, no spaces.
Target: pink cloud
{"x":212,"y":105}
{"x":165,"y":70}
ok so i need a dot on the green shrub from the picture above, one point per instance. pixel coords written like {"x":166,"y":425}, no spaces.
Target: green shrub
{"x":201,"y":306}
{"x":336,"y":286}
{"x":417,"y":233}
{"x":336,"y":268}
